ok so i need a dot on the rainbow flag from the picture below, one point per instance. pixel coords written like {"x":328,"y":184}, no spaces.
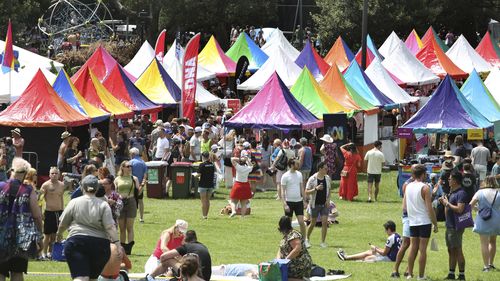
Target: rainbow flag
{"x":9,"y":60}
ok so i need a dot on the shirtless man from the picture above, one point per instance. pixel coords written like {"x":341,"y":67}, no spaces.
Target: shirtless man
{"x":62,"y":148}
{"x":52,"y":191}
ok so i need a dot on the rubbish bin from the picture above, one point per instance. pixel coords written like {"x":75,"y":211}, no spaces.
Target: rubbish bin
{"x":156,"y":179}
{"x":181,"y":179}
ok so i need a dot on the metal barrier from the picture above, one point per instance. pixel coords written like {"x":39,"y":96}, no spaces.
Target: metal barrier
{"x":32,"y":158}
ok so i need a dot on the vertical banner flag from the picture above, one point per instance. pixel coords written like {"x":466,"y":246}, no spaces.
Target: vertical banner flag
{"x":190,"y":67}
{"x":8,"y":54}
{"x":160,"y":45}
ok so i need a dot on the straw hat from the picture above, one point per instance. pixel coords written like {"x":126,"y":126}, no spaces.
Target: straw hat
{"x":16,"y":131}
{"x":65,"y":134}
{"x":447,"y":165}
{"x":158,"y":123}
{"x":327,"y":138}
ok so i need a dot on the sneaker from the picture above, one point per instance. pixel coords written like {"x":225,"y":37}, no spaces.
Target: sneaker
{"x":341,"y":254}
{"x":395,"y":275}
{"x":141,"y":220}
{"x":422,"y":278}
{"x":461,"y":277}
{"x":486,"y":269}
{"x":450,"y":277}
{"x":492,"y":266}
{"x":232,"y":215}
{"x":409,"y":277}
{"x":323,"y":245}
{"x":307,"y":244}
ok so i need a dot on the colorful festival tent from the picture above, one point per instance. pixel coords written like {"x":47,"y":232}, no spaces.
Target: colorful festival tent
{"x":278,"y":62}
{"x":339,"y":55}
{"x":447,"y":111}
{"x":95,"y":93}
{"x":158,"y":86}
{"x":369,"y":57}
{"x":389,"y":44}
{"x":127,"y":93}
{"x":492,"y":82}
{"x":14,"y":83}
{"x":337,"y":88}
{"x":407,"y":68}
{"x":431,"y":33}
{"x":360,"y":82}
{"x":433,"y":57}
{"x":141,"y":60}
{"x":202,"y":73}
{"x":312,"y":60}
{"x":33,"y":60}
{"x":68,"y":92}
{"x":101,"y":63}
{"x":413,"y":42}
{"x":245,"y":46}
{"x":40,"y":106}
{"x":488,"y":50}
{"x":274,"y":107}
{"x":277,"y":39}
{"x":214,"y":59}
{"x":465,"y":57}
{"x":174,"y":51}
{"x":373,"y":48}
{"x":203,"y":97}
{"x":478,"y":95}
{"x":385,"y":83}
{"x":308,"y":92}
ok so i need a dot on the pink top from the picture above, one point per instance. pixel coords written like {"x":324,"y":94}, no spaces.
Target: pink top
{"x":172,"y":244}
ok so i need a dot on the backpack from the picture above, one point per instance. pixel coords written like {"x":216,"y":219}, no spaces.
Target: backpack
{"x":282,"y":161}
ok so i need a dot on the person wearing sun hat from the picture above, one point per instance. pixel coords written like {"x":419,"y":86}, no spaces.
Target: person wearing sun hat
{"x":329,"y":151}
{"x":170,"y":239}
{"x":62,"y":148}
{"x":18,"y":141}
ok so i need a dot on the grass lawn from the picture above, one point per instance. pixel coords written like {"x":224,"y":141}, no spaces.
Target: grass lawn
{"x":255,"y":238}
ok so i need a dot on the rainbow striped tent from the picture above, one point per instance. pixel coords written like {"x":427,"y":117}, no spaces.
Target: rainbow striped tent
{"x":68,"y":92}
{"x":312,"y":60}
{"x":432,"y":33}
{"x":488,"y":50}
{"x":244,"y":46}
{"x":158,"y":86}
{"x":413,"y":42}
{"x":101,"y":63}
{"x":339,"y":55}
{"x":214,"y":59}
{"x":433,"y":57}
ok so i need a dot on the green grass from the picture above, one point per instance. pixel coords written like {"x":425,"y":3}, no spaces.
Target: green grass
{"x":255,"y":239}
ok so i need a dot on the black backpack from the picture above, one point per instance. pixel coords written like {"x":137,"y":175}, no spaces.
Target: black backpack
{"x":282,"y":161}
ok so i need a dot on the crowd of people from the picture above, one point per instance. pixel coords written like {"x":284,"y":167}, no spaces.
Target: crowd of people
{"x":107,"y":178}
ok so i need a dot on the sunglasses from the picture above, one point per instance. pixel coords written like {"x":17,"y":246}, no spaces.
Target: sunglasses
{"x":127,"y":166}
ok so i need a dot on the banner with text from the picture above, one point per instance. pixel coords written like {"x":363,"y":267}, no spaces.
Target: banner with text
{"x":190,"y":67}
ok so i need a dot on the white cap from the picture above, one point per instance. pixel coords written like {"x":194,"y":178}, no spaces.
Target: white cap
{"x":198,"y":130}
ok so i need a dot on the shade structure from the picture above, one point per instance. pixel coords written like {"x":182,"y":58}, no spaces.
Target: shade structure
{"x":432,"y":33}
{"x":312,"y":60}
{"x":358,"y":79}
{"x":372,"y":47}
{"x":274,"y":107}
{"x":277,"y":39}
{"x":465,"y":57}
{"x":158,"y":86}
{"x":407,"y":68}
{"x":337,"y":88}
{"x":436,"y":60}
{"x":95,"y":93}
{"x":214,"y":59}
{"x":245,"y":46}
{"x":492,"y":82}
{"x":369,"y":57}
{"x":413,"y":42}
{"x":174,"y":52}
{"x":68,"y":92}
{"x":339,"y":55}
{"x":308,"y":92}
{"x":480,"y":97}
{"x":488,"y":50}
{"x":386,"y":84}
{"x":141,"y":60}
{"x":118,"y":84}
{"x":101,"y":63}
{"x":447,"y":111}
{"x":202,"y":73}
{"x":278,"y":62}
{"x":14,"y":83}
{"x":389,"y":44}
{"x":203,"y":97}
{"x":33,"y":60}
{"x":40,"y":106}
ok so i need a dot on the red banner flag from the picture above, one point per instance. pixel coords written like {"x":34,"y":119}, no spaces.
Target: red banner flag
{"x":8,"y":54}
{"x":160,"y":45}
{"x":190,"y":67}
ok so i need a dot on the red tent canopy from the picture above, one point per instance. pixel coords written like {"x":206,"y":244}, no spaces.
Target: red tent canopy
{"x":433,"y":57}
{"x":487,"y":50}
{"x":40,"y":106}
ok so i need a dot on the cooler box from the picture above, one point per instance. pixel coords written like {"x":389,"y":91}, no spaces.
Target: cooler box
{"x":156,"y":179}
{"x":181,"y":179}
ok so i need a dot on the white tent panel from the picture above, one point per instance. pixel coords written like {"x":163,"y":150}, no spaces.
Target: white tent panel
{"x":141,"y":60}
{"x":11,"y":91}
{"x":32,"y":60}
{"x":466,"y":58}
{"x":493,"y":83}
{"x":276,"y":40}
{"x":389,"y":44}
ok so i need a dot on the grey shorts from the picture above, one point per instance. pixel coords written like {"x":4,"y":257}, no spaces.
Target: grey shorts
{"x":406,"y":227}
{"x":129,"y":210}
{"x":454,"y":238}
{"x":321,"y":210}
{"x":205,"y":190}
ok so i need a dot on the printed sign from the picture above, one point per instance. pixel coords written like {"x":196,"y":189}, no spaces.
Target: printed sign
{"x":153,"y":176}
{"x":405,"y":133}
{"x":474,"y":134}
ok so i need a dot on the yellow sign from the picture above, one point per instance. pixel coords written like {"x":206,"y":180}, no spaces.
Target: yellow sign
{"x":474,"y":134}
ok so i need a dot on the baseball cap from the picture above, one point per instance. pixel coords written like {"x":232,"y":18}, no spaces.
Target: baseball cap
{"x":90,"y":183}
{"x":182,"y":226}
{"x":198,"y":130}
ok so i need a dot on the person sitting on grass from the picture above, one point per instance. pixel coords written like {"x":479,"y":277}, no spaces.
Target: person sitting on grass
{"x":388,"y":253}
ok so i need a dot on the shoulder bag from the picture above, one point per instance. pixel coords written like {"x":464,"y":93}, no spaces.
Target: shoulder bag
{"x":485,"y":213}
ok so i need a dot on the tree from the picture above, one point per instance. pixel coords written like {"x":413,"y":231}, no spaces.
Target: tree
{"x":23,"y":14}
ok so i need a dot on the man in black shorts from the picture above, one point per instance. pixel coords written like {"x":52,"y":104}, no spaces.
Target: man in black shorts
{"x":375,"y":160}
{"x":293,"y":194}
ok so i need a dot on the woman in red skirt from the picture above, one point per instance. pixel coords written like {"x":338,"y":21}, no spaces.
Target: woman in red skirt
{"x":241,"y":191}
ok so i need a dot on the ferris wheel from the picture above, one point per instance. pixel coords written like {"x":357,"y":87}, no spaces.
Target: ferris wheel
{"x":91,"y":19}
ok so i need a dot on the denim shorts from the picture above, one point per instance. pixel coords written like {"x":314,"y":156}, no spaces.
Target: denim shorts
{"x":205,"y":190}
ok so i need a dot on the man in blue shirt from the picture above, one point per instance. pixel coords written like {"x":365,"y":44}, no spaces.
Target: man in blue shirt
{"x":139,"y":170}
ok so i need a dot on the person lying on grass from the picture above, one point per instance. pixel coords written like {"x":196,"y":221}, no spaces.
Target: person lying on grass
{"x":388,"y":253}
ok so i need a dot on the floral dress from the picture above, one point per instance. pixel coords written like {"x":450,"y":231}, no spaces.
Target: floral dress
{"x":299,"y":266}
{"x":331,"y":158}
